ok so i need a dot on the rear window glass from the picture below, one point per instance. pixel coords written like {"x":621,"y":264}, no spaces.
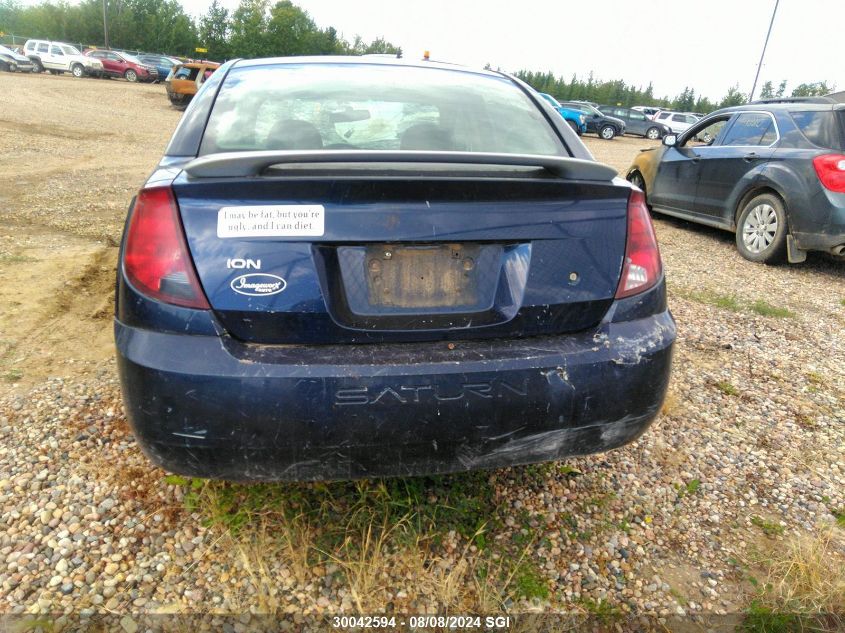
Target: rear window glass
{"x":824,"y":128}
{"x":369,"y":107}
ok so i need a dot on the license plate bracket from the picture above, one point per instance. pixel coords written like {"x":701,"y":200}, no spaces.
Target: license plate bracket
{"x":421,"y":278}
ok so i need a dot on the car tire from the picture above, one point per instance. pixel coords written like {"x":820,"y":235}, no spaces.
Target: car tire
{"x":39,"y":67}
{"x":636,"y":179}
{"x":5,"y":67}
{"x":761,"y":230}
{"x":607,"y":132}
{"x":130,"y":75}
{"x":574,"y":127}
{"x":77,"y":71}
{"x":652,"y":133}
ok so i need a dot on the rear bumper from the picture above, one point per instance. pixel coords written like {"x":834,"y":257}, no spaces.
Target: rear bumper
{"x":829,"y":242}
{"x":209,"y":406}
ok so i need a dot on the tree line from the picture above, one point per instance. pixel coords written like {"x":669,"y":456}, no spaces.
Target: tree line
{"x":256,"y":28}
{"x":618,"y":92}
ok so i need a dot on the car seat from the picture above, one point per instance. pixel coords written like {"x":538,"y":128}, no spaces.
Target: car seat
{"x":294,"y":134}
{"x":426,"y":136}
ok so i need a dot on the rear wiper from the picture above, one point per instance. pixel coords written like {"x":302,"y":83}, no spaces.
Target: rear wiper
{"x":242,"y":164}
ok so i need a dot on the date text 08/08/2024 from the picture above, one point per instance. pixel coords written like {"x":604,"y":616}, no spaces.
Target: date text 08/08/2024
{"x":422,"y":622}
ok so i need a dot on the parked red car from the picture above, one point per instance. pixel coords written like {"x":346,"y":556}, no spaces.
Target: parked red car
{"x":116,"y":64}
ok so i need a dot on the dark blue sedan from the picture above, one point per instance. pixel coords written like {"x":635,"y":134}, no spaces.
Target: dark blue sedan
{"x":348,"y":267}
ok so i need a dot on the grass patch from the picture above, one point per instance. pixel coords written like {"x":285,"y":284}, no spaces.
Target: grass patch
{"x":727,"y":388}
{"x":768,"y":310}
{"x":13,"y":375}
{"x":733,"y":304}
{"x":804,"y":589}
{"x":529,"y":583}
{"x":605,"y":613}
{"x":432,"y":531}
{"x":815,"y":377}
{"x":770,"y":528}
{"x":16,"y":259}
{"x":839,"y":515}
{"x":762,"y":619}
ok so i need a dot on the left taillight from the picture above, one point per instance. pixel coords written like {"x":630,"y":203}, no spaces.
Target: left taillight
{"x":155,"y":257}
{"x":642,"y":266}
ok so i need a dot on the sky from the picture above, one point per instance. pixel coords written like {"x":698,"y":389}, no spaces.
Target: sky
{"x":709,"y":45}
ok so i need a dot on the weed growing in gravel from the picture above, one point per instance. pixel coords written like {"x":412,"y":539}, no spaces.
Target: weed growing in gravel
{"x":604,"y":612}
{"x":839,"y":515}
{"x":13,"y":375}
{"x":732,"y":303}
{"x":727,"y":388}
{"x":770,"y":528}
{"x":529,"y":582}
{"x":690,"y":488}
{"x":766,"y":309}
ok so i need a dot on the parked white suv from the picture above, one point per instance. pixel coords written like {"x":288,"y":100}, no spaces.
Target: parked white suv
{"x":58,"y":57}
{"x":649,"y":111}
{"x":676,"y":121}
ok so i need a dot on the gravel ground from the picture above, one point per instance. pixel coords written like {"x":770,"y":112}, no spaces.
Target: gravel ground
{"x":747,"y":453}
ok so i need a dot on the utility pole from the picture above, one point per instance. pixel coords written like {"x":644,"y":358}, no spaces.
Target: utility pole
{"x":105,"y":26}
{"x":763,"y":54}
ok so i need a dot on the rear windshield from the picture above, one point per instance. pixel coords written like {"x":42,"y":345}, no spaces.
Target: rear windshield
{"x":825,"y":128}
{"x":361,"y":106}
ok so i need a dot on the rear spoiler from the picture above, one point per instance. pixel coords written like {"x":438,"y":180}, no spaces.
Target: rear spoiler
{"x":242,"y":164}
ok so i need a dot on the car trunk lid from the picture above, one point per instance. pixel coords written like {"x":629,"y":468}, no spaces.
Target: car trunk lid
{"x":392,"y":248}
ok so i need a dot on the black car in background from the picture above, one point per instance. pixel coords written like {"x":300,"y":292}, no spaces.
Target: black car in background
{"x":637,"y":122}
{"x":773,"y":173}
{"x":598,"y":123}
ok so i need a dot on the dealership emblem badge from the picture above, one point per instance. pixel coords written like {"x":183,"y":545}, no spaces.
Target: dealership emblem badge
{"x":258,"y":285}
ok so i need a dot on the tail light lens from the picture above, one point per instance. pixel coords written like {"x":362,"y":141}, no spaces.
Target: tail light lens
{"x":831,"y":171}
{"x":155,"y":257}
{"x":642,"y":266}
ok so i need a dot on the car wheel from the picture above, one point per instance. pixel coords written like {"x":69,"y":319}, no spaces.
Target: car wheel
{"x":77,"y":70}
{"x":130,"y":75}
{"x":39,"y":67}
{"x":5,"y":67}
{"x":607,"y":132}
{"x":761,"y":230}
{"x":652,"y":133}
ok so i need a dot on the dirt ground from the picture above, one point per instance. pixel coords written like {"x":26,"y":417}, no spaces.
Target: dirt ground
{"x":80,"y":149}
{"x":748,"y":450}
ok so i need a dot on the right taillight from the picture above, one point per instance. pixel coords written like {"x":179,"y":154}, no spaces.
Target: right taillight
{"x":155,"y":257}
{"x":642,"y":266}
{"x":830,"y":169}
